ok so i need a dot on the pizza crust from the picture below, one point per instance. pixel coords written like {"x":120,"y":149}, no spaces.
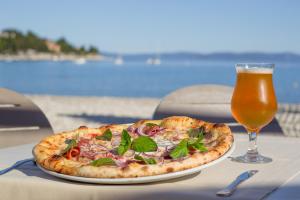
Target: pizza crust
{"x":47,"y":151}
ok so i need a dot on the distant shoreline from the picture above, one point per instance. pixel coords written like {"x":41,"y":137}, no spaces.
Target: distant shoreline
{"x":49,"y":57}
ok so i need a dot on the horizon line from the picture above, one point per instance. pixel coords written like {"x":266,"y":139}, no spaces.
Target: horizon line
{"x":196,"y":52}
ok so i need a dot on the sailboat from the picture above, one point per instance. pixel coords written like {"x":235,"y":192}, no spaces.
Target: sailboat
{"x":153,"y":61}
{"x":80,"y":61}
{"x":119,"y":61}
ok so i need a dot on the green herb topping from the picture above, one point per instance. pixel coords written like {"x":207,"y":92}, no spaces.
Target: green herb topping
{"x":151,"y":124}
{"x":196,"y":137}
{"x":148,"y":161}
{"x":186,"y":145}
{"x":103,"y":161}
{"x":197,"y":132}
{"x":197,"y":144}
{"x":144,"y":144}
{"x":181,"y":150}
{"x":107,"y":135}
{"x":71,"y":143}
{"x":125,"y":143}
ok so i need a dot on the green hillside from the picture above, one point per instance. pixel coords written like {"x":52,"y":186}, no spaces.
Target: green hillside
{"x":13,"y":41}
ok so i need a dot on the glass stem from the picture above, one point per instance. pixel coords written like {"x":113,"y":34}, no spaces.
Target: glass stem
{"x":252,"y":148}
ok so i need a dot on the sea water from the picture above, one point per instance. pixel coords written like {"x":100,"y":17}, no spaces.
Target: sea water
{"x":133,"y":79}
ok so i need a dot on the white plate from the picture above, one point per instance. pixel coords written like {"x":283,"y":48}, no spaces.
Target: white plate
{"x":146,"y":179}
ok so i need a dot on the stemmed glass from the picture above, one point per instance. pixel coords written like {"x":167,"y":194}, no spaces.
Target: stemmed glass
{"x":253,"y":104}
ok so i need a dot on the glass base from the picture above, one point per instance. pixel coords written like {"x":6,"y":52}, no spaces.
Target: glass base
{"x":252,"y":158}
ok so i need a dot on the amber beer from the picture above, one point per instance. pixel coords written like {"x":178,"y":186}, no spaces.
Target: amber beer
{"x":254,"y":102}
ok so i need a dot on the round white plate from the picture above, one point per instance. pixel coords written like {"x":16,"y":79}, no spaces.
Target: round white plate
{"x":146,"y":179}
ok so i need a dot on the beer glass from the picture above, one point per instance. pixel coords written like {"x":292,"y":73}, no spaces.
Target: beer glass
{"x":253,"y":104}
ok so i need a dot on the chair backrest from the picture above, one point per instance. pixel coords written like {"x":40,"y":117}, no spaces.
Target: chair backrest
{"x":206,"y":102}
{"x":21,"y":121}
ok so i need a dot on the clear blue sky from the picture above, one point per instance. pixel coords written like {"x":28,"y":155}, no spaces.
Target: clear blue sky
{"x":128,"y":26}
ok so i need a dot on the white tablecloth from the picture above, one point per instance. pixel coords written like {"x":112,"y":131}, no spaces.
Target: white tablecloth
{"x":29,"y":182}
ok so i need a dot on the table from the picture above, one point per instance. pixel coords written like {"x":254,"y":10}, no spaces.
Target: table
{"x":28,"y":182}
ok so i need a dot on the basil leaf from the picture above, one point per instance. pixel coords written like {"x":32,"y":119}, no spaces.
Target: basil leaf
{"x":194,"y":142}
{"x":107,"y":135}
{"x":151,"y":124}
{"x":71,"y":143}
{"x":143,"y":144}
{"x":181,"y":150}
{"x":103,"y":161}
{"x":125,"y":142}
{"x":200,"y":147}
{"x":197,"y":145}
{"x":151,"y":161}
{"x":148,"y":161}
{"x":197,"y":132}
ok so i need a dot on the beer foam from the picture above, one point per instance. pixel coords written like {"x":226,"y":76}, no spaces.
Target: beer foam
{"x":256,"y":70}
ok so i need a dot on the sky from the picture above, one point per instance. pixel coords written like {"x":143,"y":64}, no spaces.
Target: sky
{"x":138,"y":26}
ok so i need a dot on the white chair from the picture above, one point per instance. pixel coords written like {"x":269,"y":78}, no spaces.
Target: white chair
{"x":206,"y":102}
{"x":21,"y":121}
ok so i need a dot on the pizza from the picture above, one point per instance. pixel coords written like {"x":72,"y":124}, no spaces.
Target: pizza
{"x":145,"y":148}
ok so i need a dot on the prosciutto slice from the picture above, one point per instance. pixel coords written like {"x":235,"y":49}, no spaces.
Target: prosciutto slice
{"x":89,"y":150}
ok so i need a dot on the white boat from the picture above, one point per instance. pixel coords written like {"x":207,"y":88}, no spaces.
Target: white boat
{"x":119,"y":60}
{"x":153,"y":61}
{"x":55,"y":58}
{"x":80,"y":61}
{"x":156,"y":61}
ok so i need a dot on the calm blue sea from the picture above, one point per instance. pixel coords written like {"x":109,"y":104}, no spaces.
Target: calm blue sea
{"x":133,"y":79}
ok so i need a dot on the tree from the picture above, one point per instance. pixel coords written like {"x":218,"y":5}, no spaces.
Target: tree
{"x":32,"y":41}
{"x":82,"y":50}
{"x":13,"y":41}
{"x":65,"y":47}
{"x":93,"y":50}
